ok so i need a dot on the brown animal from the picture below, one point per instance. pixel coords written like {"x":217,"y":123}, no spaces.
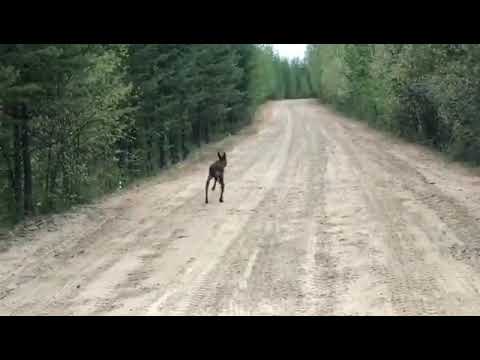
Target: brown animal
{"x":216,"y":172}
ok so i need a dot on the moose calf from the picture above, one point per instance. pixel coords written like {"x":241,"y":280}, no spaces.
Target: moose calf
{"x":216,"y":172}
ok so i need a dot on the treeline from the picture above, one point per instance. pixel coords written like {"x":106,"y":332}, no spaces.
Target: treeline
{"x":77,"y":121}
{"x":427,"y":93}
{"x":282,"y":79}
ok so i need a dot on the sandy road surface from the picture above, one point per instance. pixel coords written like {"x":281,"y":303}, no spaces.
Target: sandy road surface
{"x":322,"y":216}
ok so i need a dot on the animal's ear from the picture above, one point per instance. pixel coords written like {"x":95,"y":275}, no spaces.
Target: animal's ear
{"x":219,"y":156}
{"x":224,"y":156}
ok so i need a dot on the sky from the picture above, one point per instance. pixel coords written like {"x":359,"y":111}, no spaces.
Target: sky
{"x":291,"y":51}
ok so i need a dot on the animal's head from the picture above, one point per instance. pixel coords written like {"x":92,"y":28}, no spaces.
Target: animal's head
{"x":223,"y":158}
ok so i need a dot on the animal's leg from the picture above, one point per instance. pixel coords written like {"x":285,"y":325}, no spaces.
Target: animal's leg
{"x":222,"y":184}
{"x":206,"y":189}
{"x":214,"y":184}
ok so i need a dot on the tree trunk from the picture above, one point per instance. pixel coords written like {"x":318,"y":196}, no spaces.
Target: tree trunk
{"x":196,"y":133}
{"x":231,"y":122}
{"x":52,"y":183}
{"x":11,"y":176}
{"x":183,"y":144}
{"x":149,"y":149}
{"x":161,"y":151}
{"x":66,"y":182}
{"x":47,"y":179}
{"x":173,"y":142}
{"x":27,"y":169}
{"x":207,"y":131}
{"x":17,"y":172}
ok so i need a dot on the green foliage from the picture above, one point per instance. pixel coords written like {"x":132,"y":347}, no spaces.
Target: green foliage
{"x":428,"y":93}
{"x":77,"y":121}
{"x":275,"y":78}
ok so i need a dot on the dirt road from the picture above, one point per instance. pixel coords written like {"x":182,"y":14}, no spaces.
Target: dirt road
{"x":322,"y":216}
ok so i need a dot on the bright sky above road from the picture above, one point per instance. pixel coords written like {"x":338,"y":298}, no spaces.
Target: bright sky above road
{"x":291,"y":51}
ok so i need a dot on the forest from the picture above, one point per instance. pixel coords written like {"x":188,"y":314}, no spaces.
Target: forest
{"x":428,"y":93}
{"x":79,"y":121}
